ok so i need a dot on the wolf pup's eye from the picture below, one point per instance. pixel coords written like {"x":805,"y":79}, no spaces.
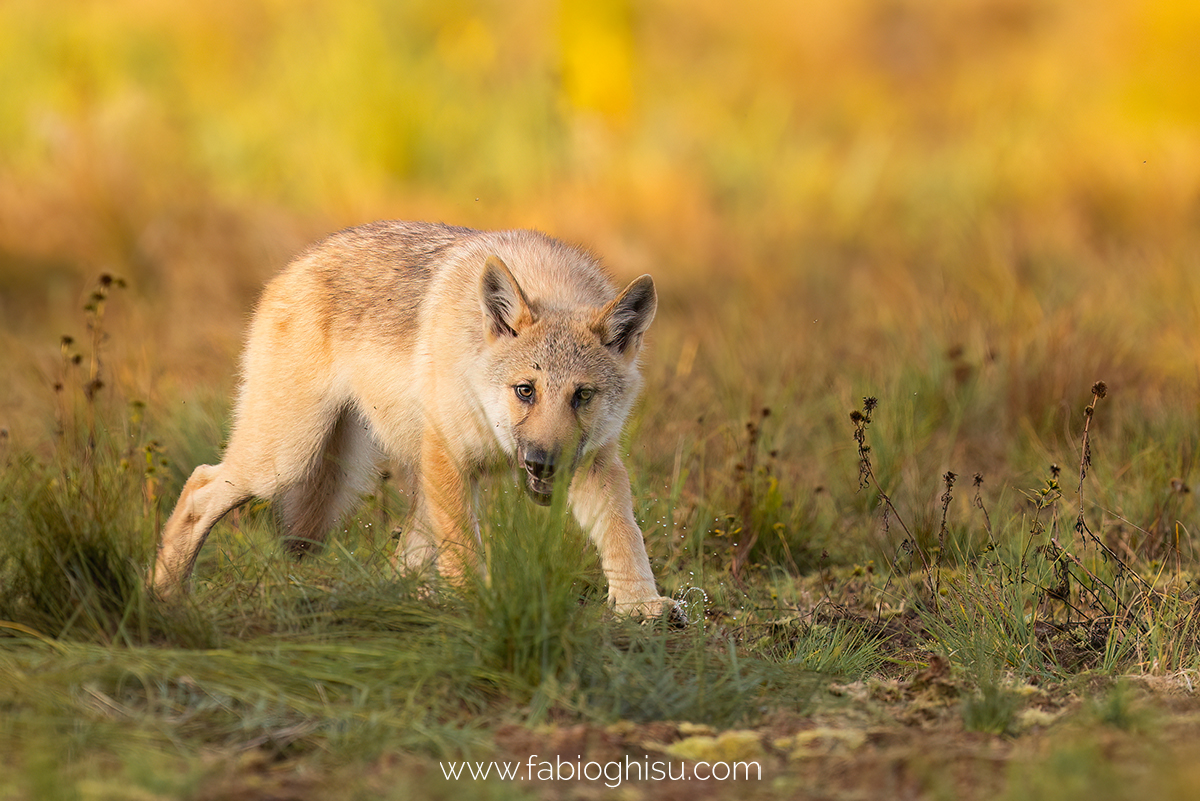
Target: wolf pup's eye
{"x":583,"y":395}
{"x":524,"y":392}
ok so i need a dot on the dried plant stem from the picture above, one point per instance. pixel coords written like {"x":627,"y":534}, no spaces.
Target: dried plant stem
{"x":95,"y":311}
{"x":947,"y":496}
{"x":866,"y":477}
{"x":977,"y":482}
{"x":1099,"y":391}
{"x":61,"y":390}
{"x":746,"y":472}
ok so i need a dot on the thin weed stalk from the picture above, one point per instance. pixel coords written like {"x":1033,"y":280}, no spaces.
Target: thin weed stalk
{"x":63,"y":422}
{"x":1099,"y":391}
{"x":95,"y":309}
{"x":866,"y":474}
{"x":977,"y":482}
{"x":947,"y":496}
{"x":867,"y":478}
{"x":746,"y":472}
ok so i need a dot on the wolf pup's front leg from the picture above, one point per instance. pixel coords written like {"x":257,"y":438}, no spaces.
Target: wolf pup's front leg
{"x":603,"y":504}
{"x":443,"y":531}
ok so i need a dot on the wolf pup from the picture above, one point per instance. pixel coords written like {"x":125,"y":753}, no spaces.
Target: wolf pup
{"x":445,"y":350}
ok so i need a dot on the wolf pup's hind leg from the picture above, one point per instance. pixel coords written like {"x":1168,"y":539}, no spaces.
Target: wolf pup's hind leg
{"x":207,"y":496}
{"x":338,"y":476}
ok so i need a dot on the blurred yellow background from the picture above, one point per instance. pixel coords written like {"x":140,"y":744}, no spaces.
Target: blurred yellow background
{"x":822,"y":189}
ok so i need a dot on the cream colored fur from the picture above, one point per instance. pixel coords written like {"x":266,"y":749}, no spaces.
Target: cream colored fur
{"x":418,"y":343}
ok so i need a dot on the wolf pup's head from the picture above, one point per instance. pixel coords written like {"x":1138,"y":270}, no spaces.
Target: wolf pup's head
{"x":562,"y":377}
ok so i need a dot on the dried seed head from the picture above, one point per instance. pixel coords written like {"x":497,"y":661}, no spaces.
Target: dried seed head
{"x":105,"y":279}
{"x":869,"y":404}
{"x":1099,"y":389}
{"x":978,"y":480}
{"x":856,"y":416}
{"x":1055,"y":470}
{"x":67,"y":340}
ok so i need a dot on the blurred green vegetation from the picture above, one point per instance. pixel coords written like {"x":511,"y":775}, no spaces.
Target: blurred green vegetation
{"x":773,"y":110}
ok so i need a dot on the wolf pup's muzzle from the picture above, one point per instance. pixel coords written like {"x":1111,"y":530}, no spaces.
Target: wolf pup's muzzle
{"x":539,"y":467}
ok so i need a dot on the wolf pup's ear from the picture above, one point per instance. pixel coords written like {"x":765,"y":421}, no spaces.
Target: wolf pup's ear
{"x":506,"y":310}
{"x":621,"y":324}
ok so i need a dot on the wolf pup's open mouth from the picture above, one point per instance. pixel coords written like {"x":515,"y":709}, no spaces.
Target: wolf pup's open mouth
{"x":539,"y":474}
{"x":540,"y":488}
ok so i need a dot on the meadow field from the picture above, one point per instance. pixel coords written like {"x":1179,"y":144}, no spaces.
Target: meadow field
{"x":916,"y":451}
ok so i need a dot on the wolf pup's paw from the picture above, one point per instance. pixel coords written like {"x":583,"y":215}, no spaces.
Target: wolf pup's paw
{"x":656,"y":609}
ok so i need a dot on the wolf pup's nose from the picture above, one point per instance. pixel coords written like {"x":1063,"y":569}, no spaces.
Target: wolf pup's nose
{"x":540,"y":464}
{"x":539,"y":471}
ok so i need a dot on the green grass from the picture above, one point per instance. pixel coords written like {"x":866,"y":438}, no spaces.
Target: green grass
{"x":333,"y":660}
{"x":336,"y":662}
{"x":892,"y":595}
